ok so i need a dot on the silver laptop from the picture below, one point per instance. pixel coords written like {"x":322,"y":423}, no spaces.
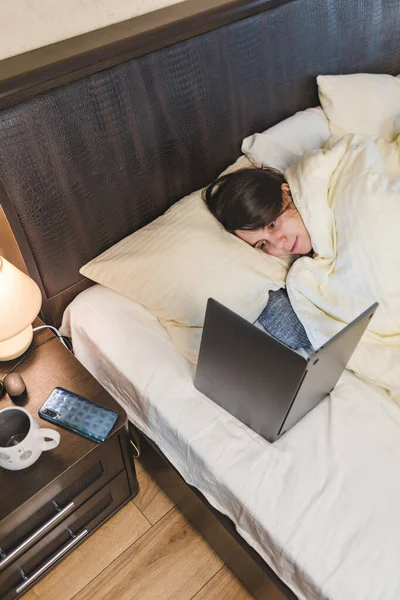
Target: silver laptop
{"x":261,"y":381}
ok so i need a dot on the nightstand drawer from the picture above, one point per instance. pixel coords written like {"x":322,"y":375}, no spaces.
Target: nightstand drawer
{"x":25,"y":526}
{"x":36,"y":562}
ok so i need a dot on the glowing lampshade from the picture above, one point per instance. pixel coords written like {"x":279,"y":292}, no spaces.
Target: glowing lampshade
{"x":20,"y":302}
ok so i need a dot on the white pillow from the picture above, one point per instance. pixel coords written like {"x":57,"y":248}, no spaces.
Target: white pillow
{"x":280,"y":146}
{"x":362,"y":103}
{"x":174,"y":264}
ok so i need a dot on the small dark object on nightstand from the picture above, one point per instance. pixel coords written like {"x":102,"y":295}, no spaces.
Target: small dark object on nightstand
{"x":15,"y":387}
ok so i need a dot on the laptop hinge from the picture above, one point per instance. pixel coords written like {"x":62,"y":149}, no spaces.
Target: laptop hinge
{"x":291,"y":404}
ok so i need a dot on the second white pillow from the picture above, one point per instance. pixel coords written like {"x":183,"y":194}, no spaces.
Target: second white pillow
{"x":282,"y":145}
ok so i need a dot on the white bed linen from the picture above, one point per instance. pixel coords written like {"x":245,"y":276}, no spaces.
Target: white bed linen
{"x":321,"y":505}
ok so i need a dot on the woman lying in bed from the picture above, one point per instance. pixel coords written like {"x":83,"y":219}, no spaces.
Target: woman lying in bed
{"x":256,"y":205}
{"x":348,"y":196}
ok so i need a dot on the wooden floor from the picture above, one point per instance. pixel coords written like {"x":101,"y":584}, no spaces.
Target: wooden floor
{"x":147,"y":551}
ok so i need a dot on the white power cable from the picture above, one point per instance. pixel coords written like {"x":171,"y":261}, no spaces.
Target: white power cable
{"x":58,"y":334}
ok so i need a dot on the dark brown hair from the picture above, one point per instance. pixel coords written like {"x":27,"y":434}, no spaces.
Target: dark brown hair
{"x":250,"y":198}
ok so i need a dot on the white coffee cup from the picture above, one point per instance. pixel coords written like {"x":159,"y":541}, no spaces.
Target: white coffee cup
{"x":22,"y":440}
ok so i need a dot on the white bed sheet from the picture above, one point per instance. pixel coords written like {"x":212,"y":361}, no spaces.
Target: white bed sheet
{"x":321,"y":505}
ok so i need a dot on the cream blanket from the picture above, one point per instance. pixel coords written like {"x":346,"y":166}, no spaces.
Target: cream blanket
{"x":348,"y":195}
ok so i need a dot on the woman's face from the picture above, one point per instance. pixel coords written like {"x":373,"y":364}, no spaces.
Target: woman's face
{"x":286,"y":235}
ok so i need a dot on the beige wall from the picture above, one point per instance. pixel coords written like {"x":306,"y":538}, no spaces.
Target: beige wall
{"x":28,"y":24}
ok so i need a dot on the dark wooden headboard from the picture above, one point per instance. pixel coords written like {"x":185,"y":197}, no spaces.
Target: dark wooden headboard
{"x":100,"y":134}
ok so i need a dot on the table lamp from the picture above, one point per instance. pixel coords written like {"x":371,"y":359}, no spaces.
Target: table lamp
{"x":20,"y":302}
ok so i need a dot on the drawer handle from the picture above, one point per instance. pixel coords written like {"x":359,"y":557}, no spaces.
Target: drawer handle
{"x":36,"y":534}
{"x":52,"y":560}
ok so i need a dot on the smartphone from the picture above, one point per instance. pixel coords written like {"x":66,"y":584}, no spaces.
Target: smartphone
{"x":79,"y":415}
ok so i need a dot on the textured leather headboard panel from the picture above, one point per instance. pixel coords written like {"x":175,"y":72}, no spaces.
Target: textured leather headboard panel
{"x":86,"y":164}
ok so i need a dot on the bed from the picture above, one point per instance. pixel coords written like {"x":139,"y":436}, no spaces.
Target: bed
{"x":94,"y":145}
{"x":300,"y":502}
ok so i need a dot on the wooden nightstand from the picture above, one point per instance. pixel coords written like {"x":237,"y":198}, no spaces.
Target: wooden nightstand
{"x":47,"y":509}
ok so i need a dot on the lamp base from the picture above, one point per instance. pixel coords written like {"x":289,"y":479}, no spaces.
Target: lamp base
{"x":16,"y":345}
